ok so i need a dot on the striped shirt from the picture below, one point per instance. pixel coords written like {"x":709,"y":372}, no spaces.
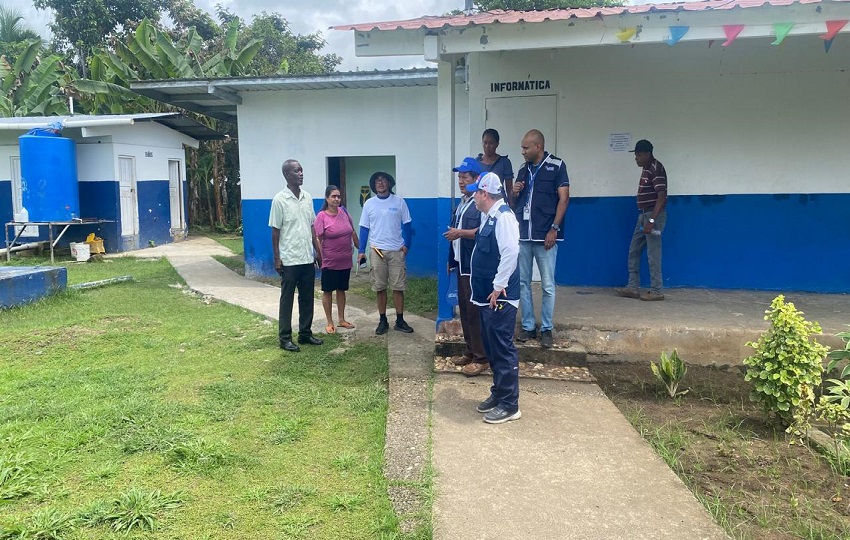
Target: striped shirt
{"x":653,"y":180}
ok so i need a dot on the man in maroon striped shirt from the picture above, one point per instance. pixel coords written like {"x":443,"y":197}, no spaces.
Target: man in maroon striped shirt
{"x":652,"y":216}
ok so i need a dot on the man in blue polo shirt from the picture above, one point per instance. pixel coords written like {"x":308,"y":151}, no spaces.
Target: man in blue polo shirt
{"x":541,"y":196}
{"x":494,"y":279}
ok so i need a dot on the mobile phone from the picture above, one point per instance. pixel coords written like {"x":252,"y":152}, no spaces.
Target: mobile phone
{"x":362,"y":263}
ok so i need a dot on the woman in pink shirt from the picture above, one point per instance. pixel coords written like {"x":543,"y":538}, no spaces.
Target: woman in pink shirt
{"x":337,"y":239}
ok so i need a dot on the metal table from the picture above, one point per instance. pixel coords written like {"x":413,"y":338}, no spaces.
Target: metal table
{"x":50,"y":226}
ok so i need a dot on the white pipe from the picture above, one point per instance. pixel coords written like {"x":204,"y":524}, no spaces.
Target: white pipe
{"x":81,"y":122}
{"x":22,"y":247}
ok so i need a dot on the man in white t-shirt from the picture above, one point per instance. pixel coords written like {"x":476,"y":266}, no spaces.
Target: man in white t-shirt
{"x":385,"y":228}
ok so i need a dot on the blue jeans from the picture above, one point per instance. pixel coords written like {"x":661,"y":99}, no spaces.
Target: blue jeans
{"x":529,"y":251}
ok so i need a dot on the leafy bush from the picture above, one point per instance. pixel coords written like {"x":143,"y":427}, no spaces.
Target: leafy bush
{"x":786,"y":361}
{"x":670,"y":371}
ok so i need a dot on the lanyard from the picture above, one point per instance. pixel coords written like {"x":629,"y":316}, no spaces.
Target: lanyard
{"x":461,"y":209}
{"x":526,"y":212}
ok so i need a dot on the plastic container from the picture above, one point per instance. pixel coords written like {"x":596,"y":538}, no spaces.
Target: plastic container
{"x":49,"y":184}
{"x":80,"y":251}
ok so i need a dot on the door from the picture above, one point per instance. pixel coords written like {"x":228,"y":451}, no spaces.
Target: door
{"x":175,"y":194}
{"x":513,"y":117}
{"x":17,"y":199}
{"x":128,"y":196}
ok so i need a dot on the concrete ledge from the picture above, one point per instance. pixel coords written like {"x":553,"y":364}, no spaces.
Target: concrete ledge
{"x":23,"y":284}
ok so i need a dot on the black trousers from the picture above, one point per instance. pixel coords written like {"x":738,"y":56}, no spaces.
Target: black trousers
{"x":470,"y":321}
{"x":303,"y":278}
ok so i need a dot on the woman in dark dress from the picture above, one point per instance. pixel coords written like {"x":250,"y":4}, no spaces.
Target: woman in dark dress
{"x":495,"y":163}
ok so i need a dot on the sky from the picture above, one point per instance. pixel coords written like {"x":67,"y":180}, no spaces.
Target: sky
{"x":306,"y":17}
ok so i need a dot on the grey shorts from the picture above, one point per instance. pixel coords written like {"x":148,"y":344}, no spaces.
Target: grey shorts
{"x":389,"y":272}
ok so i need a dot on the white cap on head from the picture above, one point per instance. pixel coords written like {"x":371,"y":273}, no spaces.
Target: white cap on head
{"x":488,"y":182}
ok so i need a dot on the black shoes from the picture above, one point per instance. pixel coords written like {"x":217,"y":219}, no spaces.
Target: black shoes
{"x":289,"y":346}
{"x":382,"y":328}
{"x":524,"y":335}
{"x":500,"y":416}
{"x":310,"y":340}
{"x":402,"y":326}
{"x":488,"y":404}
{"x":546,"y":339}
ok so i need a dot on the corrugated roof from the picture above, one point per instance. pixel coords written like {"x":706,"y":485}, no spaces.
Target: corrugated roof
{"x":219,"y":97}
{"x":174,"y":120}
{"x":512,"y":17}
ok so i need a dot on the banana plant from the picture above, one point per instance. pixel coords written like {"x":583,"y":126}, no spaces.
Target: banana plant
{"x":150,"y":53}
{"x":35,"y":85}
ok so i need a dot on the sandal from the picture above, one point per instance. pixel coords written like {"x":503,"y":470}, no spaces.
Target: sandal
{"x":345,"y":324}
{"x":329,"y":329}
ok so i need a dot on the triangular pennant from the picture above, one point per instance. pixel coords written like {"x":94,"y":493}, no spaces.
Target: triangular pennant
{"x":731,"y":31}
{"x":677,"y":33}
{"x":710,"y":43}
{"x":781,"y":30}
{"x":827,"y":43}
{"x":832,"y":28}
{"x":626,"y":34}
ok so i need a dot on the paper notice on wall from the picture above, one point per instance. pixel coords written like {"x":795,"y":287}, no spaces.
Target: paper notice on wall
{"x":619,"y":142}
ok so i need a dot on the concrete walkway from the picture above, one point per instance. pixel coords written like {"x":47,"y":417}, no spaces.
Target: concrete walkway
{"x":571,"y":468}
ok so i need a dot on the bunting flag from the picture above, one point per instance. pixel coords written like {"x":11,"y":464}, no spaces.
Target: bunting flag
{"x":732,"y":31}
{"x":827,"y":43}
{"x":832,"y":29}
{"x":626,"y":34}
{"x":710,"y":43}
{"x":677,"y":33}
{"x":781,"y":30}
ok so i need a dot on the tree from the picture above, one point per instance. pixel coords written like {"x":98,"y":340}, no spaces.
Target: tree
{"x":533,"y":5}
{"x":80,"y":25}
{"x":14,"y":36}
{"x":284,"y":52}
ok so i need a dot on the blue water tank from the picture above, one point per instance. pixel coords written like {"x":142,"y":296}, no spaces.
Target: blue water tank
{"x":49,"y":185}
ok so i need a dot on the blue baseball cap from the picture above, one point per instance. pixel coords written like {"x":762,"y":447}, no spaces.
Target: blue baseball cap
{"x":470,"y":165}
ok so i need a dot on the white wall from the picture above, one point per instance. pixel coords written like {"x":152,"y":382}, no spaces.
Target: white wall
{"x":750,"y":118}
{"x":311,"y":125}
{"x":95,"y":162}
{"x":6,"y":152}
{"x":148,"y":134}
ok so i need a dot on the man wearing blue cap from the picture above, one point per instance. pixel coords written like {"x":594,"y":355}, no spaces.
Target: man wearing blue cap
{"x":494,"y":279}
{"x":461,"y":234}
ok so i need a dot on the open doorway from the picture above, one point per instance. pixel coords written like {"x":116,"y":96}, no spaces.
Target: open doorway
{"x":351,"y":174}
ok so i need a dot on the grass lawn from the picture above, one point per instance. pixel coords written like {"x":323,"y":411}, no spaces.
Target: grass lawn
{"x":419,"y":298}
{"x":141,"y":408}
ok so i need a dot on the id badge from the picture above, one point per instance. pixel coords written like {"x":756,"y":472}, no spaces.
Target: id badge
{"x":526,"y":213}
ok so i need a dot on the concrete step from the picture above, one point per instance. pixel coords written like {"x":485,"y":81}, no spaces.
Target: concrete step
{"x":565,"y":352}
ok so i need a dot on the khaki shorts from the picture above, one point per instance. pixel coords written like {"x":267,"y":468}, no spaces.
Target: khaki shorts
{"x":389,"y":272}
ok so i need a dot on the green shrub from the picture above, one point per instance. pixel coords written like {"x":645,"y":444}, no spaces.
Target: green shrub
{"x":670,"y":371}
{"x":785,"y":362}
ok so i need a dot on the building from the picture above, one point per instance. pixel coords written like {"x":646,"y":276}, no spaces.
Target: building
{"x":746,"y":102}
{"x":131,"y":171}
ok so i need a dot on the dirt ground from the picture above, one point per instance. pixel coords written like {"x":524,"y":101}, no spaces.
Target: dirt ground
{"x":738,"y":464}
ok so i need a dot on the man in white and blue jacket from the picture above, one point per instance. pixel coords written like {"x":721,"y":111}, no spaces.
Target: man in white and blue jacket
{"x":494,"y":279}
{"x":541,"y":196}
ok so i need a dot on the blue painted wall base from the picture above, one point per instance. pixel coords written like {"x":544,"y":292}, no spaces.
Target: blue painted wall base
{"x":23,"y":284}
{"x":787,"y":242}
